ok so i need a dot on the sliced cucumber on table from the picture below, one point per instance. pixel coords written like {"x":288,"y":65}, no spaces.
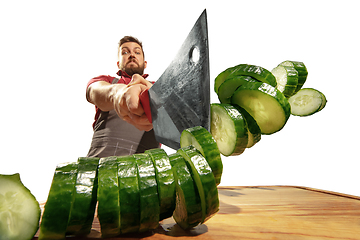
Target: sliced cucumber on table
{"x":165,"y":181}
{"x":307,"y":101}
{"x":108,"y":197}
{"x":266,"y":104}
{"x":85,"y":198}
{"x":204,"y":180}
{"x":149,"y":199}
{"x":19,"y":209}
{"x":188,"y":211}
{"x":287,"y":79}
{"x":57,"y":208}
{"x":302,"y":72}
{"x":202,"y":140}
{"x":228,"y":127}
{"x":229,"y":86}
{"x":129,"y":194}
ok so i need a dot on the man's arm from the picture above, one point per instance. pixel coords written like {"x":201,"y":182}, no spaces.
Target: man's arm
{"x":123,"y":98}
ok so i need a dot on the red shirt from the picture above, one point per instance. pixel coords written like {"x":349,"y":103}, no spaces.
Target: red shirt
{"x":124,"y":79}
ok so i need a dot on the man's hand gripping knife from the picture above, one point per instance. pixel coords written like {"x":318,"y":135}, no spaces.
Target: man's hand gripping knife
{"x":127,"y":103}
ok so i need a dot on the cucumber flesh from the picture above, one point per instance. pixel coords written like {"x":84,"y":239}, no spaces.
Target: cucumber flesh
{"x":108,"y":197}
{"x":203,"y":141}
{"x":307,"y":102}
{"x":129,"y":194}
{"x":287,"y":79}
{"x":228,"y":127}
{"x":229,"y":86}
{"x":204,"y":180}
{"x":19,"y":209}
{"x":165,"y":181}
{"x":188,"y":211}
{"x":58,"y":205}
{"x":266,"y":104}
{"x":85,"y":198}
{"x":259,"y":73}
{"x":149,"y":198}
{"x":302,"y":72}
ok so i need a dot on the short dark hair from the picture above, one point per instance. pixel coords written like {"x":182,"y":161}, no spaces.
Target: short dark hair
{"x":130,"y":39}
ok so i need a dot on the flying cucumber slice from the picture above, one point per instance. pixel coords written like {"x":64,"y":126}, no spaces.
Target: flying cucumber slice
{"x":129,"y":193}
{"x":19,"y":209}
{"x":259,"y":73}
{"x":228,"y":127}
{"x":165,"y":181}
{"x":204,"y":180}
{"x":108,"y":197}
{"x":188,"y":211}
{"x":266,"y":104}
{"x":202,"y":140}
{"x":286,"y":78}
{"x":302,"y":72}
{"x":229,"y":86}
{"x":85,"y":198}
{"x":254,"y":132}
{"x":221,"y":78}
{"x":149,"y":199}
{"x":58,"y":205}
{"x":307,"y":101}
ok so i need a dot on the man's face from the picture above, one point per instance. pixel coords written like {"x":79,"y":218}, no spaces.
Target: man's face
{"x":131,"y":59}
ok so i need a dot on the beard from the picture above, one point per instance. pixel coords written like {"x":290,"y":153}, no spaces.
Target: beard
{"x":134,"y":69}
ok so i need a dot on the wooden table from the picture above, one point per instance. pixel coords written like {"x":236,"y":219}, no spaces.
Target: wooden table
{"x":267,"y":212}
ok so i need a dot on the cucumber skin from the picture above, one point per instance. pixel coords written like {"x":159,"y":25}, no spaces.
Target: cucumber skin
{"x":15,"y":179}
{"x":188,"y":211}
{"x":259,"y":73}
{"x":149,"y":198}
{"x":269,"y":90}
{"x":204,"y":180}
{"x":252,"y":127}
{"x":165,"y":181}
{"x":108,"y":197}
{"x":211,"y":153}
{"x":221,"y":78}
{"x":58,"y":205}
{"x":292,"y":80}
{"x":129,"y":194}
{"x":240,"y":127}
{"x":302,"y":72}
{"x":85,"y":198}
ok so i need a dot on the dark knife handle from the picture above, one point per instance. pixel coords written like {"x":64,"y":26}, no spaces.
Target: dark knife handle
{"x":145,"y":103}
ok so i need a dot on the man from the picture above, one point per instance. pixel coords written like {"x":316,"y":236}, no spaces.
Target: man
{"x":121,"y":126}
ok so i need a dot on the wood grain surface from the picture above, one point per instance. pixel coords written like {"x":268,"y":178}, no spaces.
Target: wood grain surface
{"x":267,"y":212}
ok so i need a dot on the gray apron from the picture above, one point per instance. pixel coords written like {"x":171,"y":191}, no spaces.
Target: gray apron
{"x":115,"y":137}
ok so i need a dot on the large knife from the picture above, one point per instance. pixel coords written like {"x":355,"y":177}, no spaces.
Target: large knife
{"x":180,"y":98}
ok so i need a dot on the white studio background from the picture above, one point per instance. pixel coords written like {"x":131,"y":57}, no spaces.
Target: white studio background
{"x":50,"y":49}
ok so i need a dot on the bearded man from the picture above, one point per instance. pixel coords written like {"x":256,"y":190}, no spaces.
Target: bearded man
{"x":121,"y":126}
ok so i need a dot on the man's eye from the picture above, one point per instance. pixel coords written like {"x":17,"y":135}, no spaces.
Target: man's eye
{"x":137,"y":53}
{"x":125,"y":53}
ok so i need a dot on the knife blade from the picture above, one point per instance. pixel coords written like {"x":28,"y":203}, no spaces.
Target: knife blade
{"x":180,"y":98}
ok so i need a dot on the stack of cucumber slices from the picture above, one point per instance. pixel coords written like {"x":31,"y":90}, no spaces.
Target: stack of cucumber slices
{"x":135,"y":192}
{"x":255,"y":101}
